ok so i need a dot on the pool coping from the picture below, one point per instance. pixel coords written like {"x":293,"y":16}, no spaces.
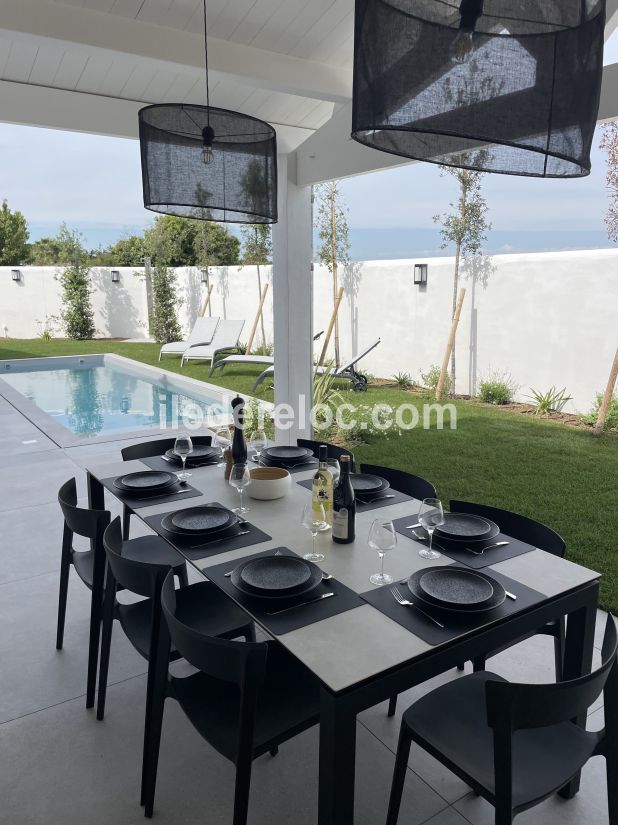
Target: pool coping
{"x":63,"y":437}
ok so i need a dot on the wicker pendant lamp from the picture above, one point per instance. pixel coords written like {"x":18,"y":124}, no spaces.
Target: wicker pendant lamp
{"x":508,"y":86}
{"x":208,"y":163}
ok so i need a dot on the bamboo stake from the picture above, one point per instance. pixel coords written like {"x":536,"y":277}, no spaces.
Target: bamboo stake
{"x":329,"y":331}
{"x":257,"y":319}
{"x":609,"y":392}
{"x":450,"y":344}
{"x":205,"y":302}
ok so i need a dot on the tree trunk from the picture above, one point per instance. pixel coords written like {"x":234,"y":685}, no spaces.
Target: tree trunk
{"x":455,"y":291}
{"x":333,"y":225}
{"x":262,"y":314}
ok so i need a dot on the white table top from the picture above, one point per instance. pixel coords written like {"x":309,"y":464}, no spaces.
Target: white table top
{"x":359,"y":643}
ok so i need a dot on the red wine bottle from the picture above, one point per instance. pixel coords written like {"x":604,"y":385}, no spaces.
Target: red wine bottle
{"x":344,"y":506}
{"x":239,"y":446}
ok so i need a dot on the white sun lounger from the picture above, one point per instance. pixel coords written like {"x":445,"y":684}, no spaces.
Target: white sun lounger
{"x":202,"y":333}
{"x":267,"y":360}
{"x":347,"y":371}
{"x":225,"y":340}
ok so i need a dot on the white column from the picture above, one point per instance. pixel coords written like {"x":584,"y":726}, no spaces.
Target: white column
{"x":293,"y":300}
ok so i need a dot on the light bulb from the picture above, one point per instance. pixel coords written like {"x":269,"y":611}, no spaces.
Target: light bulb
{"x":207,"y":155}
{"x":208,"y":136}
{"x":462,"y":47}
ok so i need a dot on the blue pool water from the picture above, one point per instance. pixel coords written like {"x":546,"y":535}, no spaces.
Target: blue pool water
{"x":95,"y":400}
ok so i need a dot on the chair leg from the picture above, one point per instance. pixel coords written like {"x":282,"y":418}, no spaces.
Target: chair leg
{"x":65,"y":567}
{"x":392,"y":705}
{"x":504,"y":816}
{"x":478,"y":663}
{"x":96,"y":609}
{"x":106,"y":641}
{"x":183,"y":577}
{"x":126,"y":522}
{"x":241,"y":790}
{"x":399,"y":775}
{"x":559,"y":643}
{"x":612,"y":790}
{"x":158,"y":667}
{"x":461,"y":666}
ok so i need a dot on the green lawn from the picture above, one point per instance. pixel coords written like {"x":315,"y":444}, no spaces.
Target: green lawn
{"x":557,"y":474}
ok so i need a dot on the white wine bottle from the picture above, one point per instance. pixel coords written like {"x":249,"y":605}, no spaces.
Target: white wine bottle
{"x":322,"y":489}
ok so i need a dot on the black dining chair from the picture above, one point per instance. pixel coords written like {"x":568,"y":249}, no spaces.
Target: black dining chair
{"x":148,"y":449}
{"x":402,"y":481}
{"x":538,"y":535}
{"x":334,"y":451}
{"x":89,"y":566}
{"x":246,"y":699}
{"x":514,"y":744}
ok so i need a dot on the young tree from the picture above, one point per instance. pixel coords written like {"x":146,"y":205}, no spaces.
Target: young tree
{"x":13,"y":237}
{"x":164,"y":325}
{"x":77,"y":313}
{"x":333,"y":232}
{"x":257,"y":251}
{"x":609,"y":142}
{"x":465,"y":227}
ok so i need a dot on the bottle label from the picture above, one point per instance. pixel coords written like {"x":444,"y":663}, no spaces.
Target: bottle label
{"x":340,"y":523}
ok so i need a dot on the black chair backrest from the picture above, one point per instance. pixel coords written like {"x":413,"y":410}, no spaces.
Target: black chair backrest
{"x":146,"y":449}
{"x":407,"y":483}
{"x":141,"y":577}
{"x":519,"y":527}
{"x":516,"y":707}
{"x":239,"y":663}
{"x":81,"y":520}
{"x":333,"y":450}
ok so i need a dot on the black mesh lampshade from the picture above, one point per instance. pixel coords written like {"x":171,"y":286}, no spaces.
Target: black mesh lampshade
{"x":208,"y":163}
{"x":506,"y":86}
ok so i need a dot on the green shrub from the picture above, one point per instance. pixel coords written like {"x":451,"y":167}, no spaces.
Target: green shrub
{"x":495,"y":392}
{"x":77,"y":313}
{"x":611,"y":421}
{"x":403,"y":380}
{"x":263,"y":349}
{"x":552,"y":400}
{"x":432,"y":376}
{"x":164,"y":326}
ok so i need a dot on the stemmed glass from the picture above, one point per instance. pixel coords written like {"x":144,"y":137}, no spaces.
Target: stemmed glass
{"x":313,"y":519}
{"x":183,"y":446}
{"x":431,"y":515}
{"x":258,"y":442}
{"x":240,"y":478}
{"x":223,"y":434}
{"x":334,"y":469}
{"x":383,"y":538}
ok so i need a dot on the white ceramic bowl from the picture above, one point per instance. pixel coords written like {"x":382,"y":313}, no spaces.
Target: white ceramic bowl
{"x":269,"y":483}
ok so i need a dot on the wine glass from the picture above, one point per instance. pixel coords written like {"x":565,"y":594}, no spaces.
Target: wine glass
{"x":431,"y":515}
{"x":257,"y":442}
{"x":383,"y":538}
{"x":313,"y":519}
{"x":183,"y":446}
{"x":332,"y":465}
{"x":223,"y":435}
{"x":240,"y":478}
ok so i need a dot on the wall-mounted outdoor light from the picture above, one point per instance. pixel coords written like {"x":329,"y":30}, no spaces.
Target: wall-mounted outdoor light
{"x":204,"y":276}
{"x":125,"y":405}
{"x":420,"y":274}
{"x":16,"y":275}
{"x":115,"y":276}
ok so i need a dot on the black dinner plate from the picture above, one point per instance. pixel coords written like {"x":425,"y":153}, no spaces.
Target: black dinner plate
{"x":454,"y":581}
{"x":464,"y":526}
{"x":200,"y":454}
{"x":146,"y":481}
{"x":458,"y":587}
{"x":368,"y":485}
{"x":202,"y":519}
{"x":287,"y":455}
{"x":271,"y":577}
{"x":221,"y":532}
{"x":495,"y":530}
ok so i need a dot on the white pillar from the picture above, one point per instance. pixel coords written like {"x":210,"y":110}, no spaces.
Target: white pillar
{"x":293,"y":300}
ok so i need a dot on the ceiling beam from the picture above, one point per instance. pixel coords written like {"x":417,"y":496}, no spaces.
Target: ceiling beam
{"x":43,"y":106}
{"x":85,"y":29}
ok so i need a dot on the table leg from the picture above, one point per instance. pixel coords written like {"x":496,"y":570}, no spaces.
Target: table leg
{"x":96,"y":493}
{"x":578,"y":654}
{"x":337,"y":761}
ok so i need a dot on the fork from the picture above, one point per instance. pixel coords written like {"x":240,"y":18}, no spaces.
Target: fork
{"x":396,"y":592}
{"x":375,"y":498}
{"x":489,"y":547}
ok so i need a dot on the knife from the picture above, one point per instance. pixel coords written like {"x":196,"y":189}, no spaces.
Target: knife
{"x":301,"y":604}
{"x":164,"y":495}
{"x":207,"y":544}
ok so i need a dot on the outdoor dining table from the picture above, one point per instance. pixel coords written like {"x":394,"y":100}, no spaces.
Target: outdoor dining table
{"x":360,"y":655}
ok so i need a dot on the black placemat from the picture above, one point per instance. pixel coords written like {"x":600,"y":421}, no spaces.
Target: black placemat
{"x":156,"y":462}
{"x":458,"y":552}
{"x":194,"y":547}
{"x":364,"y":506}
{"x":301,"y":468}
{"x":344,"y":599}
{"x":455,"y":624}
{"x":141,"y":500}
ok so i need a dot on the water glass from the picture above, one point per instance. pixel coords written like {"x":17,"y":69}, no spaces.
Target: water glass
{"x":239,"y":479}
{"x":431,"y":515}
{"x":313,"y":519}
{"x":257,"y":443}
{"x":183,"y":446}
{"x":383,"y":539}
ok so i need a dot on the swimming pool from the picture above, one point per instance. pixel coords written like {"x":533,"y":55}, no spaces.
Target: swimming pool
{"x":78,"y":399}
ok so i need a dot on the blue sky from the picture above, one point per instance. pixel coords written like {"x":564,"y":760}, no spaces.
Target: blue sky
{"x":94,"y":184}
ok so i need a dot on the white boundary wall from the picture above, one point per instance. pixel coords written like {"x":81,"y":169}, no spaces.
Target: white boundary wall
{"x":547,"y":318}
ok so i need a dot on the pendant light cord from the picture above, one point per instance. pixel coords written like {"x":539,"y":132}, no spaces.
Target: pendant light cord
{"x":206,"y":65}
